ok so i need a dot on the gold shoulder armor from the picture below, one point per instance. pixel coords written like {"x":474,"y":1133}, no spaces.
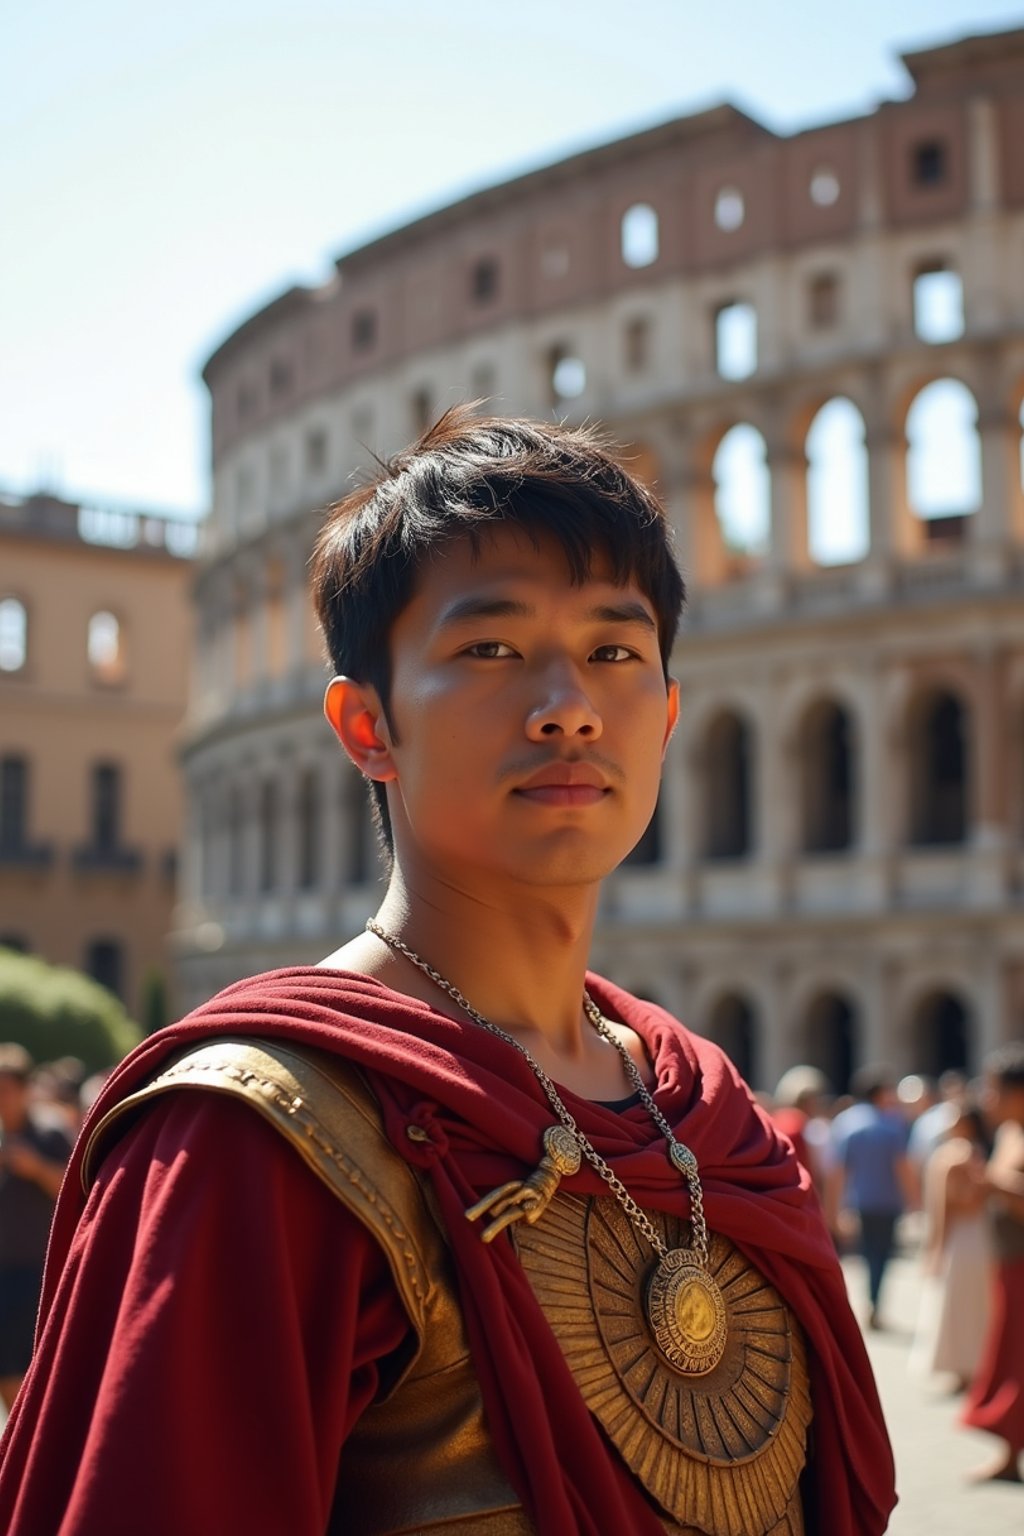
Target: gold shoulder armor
{"x":324,"y":1107}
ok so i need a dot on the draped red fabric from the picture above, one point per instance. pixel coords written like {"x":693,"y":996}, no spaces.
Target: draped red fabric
{"x":485,"y":1115}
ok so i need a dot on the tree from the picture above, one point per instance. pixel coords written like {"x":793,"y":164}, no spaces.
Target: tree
{"x":154,"y":1002}
{"x":53,"y":1011}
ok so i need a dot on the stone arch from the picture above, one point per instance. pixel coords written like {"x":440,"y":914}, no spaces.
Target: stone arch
{"x":838,"y":530}
{"x":938,"y":767}
{"x":733,"y":1025}
{"x":727,"y":762}
{"x":826,"y":755}
{"x":942,"y":1033}
{"x":830,"y":1035}
{"x":943,"y":459}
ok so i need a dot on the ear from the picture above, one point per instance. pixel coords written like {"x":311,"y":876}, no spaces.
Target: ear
{"x":356,"y":716}
{"x":672,"y":719}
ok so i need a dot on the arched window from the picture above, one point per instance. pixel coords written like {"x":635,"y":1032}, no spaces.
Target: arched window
{"x":309,"y":829}
{"x":735,"y":340}
{"x":837,"y":484}
{"x":938,"y":303}
{"x":827,"y":780}
{"x":236,"y":841}
{"x":13,"y":634}
{"x":939,"y":726}
{"x":728,"y":778}
{"x":742,"y":490}
{"x":639,"y":235}
{"x":733,"y":1026}
{"x":942,"y":1035}
{"x":830,"y":1038}
{"x":269,"y":828}
{"x":105,"y":647}
{"x":943,"y":453}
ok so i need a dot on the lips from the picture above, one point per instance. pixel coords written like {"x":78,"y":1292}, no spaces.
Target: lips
{"x":568,"y":784}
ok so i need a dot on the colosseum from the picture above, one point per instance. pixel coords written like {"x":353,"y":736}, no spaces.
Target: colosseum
{"x":813,"y":346}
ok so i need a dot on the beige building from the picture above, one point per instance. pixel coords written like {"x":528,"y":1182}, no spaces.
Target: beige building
{"x":814,"y":347}
{"x":94,"y":623}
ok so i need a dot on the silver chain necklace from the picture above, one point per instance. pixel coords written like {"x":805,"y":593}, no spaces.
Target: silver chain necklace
{"x":684,"y":1304}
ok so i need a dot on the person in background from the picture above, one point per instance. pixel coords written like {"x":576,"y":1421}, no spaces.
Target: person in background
{"x":996,"y":1399}
{"x":32,"y":1158}
{"x":798,"y":1102}
{"x":870,"y":1175}
{"x":934,"y":1124}
{"x":955,"y":1300}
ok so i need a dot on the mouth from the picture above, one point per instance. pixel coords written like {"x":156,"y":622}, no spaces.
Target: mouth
{"x":565,"y":784}
{"x":563,"y":794}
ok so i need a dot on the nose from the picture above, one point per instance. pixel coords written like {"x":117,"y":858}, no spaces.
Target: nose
{"x":563,"y":707}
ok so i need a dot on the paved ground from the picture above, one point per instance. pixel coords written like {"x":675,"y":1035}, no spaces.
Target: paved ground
{"x":933,"y":1456}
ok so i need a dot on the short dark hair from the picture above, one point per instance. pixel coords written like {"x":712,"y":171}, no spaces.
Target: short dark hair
{"x":1006,"y":1065}
{"x":869,"y":1083}
{"x":15,"y":1061}
{"x":467,"y":473}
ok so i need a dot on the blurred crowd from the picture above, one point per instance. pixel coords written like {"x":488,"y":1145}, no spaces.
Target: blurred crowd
{"x":41,"y":1110}
{"x":939,"y":1165}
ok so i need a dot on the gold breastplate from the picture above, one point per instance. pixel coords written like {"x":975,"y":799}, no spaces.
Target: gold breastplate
{"x":720,"y":1456}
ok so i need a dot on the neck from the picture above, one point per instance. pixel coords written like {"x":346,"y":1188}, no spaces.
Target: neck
{"x":520,"y":961}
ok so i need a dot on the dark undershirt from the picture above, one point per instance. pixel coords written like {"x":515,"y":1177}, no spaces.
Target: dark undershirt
{"x":618,"y":1105}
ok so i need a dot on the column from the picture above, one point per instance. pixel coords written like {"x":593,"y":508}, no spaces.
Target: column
{"x":886,"y":449}
{"x":982,"y":276}
{"x":787,"y":554}
{"x":991,"y":527}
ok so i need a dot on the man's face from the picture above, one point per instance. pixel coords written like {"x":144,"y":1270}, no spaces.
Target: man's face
{"x":13,"y":1101}
{"x":530,"y":717}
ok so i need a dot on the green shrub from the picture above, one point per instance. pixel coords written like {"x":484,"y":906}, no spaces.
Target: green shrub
{"x":53,"y":1011}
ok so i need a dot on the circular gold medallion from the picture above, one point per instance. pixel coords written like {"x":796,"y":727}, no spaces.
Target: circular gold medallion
{"x":687,"y":1314}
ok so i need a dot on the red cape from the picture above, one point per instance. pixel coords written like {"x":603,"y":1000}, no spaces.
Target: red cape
{"x":485,"y":1114}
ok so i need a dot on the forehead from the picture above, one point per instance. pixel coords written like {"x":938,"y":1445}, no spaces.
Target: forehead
{"x":506,"y":557}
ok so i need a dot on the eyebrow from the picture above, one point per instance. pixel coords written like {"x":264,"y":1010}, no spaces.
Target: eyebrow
{"x":467,"y":608}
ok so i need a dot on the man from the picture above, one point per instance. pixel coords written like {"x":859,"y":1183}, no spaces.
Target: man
{"x":996,"y":1401}
{"x":540,"y":1265}
{"x":32,"y":1159}
{"x":870,"y":1173}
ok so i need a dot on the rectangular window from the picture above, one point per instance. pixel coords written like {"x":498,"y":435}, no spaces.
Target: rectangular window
{"x":280,"y":378}
{"x":106,"y":807}
{"x":104,"y":963}
{"x":364,"y":330}
{"x":638,"y":344}
{"x":316,"y":451}
{"x":929,"y":163}
{"x":484,"y":280}
{"x":13,"y":803}
{"x":823,"y":301}
{"x":421,"y":410}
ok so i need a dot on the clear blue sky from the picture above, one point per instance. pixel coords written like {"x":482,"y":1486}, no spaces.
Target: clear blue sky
{"x":165,"y":170}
